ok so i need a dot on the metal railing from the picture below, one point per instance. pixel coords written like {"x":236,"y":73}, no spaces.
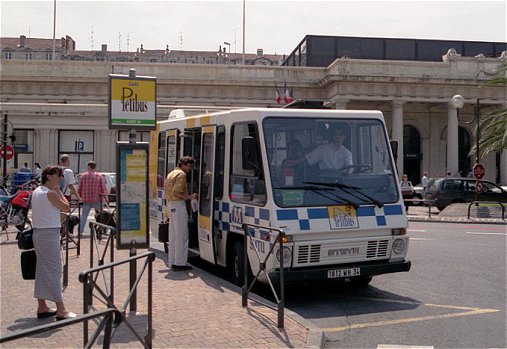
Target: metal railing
{"x":478,"y":203}
{"x":426,"y":202}
{"x":106,"y":324}
{"x":280,"y":300}
{"x":98,"y":232}
{"x":87,"y":278}
{"x":67,"y":238}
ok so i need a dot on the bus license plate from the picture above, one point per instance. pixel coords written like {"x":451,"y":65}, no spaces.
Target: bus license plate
{"x":343,"y":273}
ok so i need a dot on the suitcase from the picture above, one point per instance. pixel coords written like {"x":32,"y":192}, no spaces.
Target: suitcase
{"x":28,"y":264}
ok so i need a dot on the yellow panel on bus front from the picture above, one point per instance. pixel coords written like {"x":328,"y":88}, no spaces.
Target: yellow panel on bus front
{"x":133,"y":101}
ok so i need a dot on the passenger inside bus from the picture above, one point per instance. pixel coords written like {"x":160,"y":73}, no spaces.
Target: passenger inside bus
{"x":293,"y":173}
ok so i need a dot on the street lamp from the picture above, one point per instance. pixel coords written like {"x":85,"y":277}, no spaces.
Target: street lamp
{"x":229,"y":56}
{"x":458,"y":101}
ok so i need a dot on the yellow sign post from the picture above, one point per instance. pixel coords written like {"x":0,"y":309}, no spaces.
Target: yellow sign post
{"x":132,"y":102}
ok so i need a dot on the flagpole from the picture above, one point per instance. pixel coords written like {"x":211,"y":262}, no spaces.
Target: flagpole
{"x":54,"y":29}
{"x":243,"y":32}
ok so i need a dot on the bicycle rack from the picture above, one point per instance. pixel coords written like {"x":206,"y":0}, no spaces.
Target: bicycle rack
{"x":66,"y":237}
{"x":97,"y":232}
{"x":106,"y":323}
{"x":262,"y":263}
{"x":89,"y":285}
{"x":478,"y":203}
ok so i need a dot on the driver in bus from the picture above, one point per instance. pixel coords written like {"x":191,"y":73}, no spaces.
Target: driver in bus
{"x":330,"y":156}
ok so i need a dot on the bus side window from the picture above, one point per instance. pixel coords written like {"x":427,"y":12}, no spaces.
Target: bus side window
{"x":219,"y":163}
{"x":246,"y":182}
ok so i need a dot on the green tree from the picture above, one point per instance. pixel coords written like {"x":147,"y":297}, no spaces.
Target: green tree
{"x":493,"y":126}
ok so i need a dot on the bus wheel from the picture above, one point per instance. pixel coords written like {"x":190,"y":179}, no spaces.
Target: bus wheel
{"x":238,"y":264}
{"x":361,"y":281}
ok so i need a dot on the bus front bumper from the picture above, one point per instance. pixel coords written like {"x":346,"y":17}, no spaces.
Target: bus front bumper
{"x":342,"y":271}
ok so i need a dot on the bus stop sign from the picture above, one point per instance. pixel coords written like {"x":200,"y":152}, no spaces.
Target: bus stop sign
{"x":479,"y":171}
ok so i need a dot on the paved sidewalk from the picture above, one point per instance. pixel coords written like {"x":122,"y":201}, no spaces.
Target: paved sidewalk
{"x":190,"y":309}
{"x":458,"y":213}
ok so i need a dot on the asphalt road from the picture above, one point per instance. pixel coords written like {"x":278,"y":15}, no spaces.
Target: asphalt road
{"x":453,"y":297}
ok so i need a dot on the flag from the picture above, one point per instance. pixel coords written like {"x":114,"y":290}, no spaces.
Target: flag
{"x":287,"y":94}
{"x":278,"y":98}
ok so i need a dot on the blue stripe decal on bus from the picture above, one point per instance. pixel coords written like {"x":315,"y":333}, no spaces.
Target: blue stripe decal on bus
{"x":285,"y":215}
{"x":249,"y":211}
{"x":366,"y":211}
{"x":316,"y":213}
{"x":264,"y":214}
{"x":392,"y":210}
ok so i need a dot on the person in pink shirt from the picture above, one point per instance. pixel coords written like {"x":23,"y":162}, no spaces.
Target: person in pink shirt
{"x":91,"y":186}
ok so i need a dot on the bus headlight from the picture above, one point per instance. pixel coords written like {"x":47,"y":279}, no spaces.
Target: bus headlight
{"x":399,"y":246}
{"x":286,"y":254}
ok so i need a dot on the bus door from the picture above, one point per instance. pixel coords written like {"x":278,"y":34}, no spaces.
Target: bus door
{"x":206,"y":180}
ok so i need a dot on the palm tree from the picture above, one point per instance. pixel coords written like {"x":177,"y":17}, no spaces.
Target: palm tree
{"x":493,"y":127}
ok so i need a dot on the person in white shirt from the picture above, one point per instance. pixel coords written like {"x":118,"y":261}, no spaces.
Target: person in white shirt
{"x":329,"y":156}
{"x":69,"y":181}
{"x":425,"y":180}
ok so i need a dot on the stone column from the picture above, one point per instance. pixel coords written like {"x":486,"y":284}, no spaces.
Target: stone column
{"x":452,"y":139}
{"x":397,"y":134}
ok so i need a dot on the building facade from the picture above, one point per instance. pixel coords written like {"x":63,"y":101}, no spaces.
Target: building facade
{"x":52,"y":104}
{"x":64,"y":49}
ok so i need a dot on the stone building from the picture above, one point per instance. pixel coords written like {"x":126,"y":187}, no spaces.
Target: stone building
{"x":65,"y":49}
{"x":51,"y":104}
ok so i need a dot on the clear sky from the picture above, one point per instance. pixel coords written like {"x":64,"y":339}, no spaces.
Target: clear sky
{"x":275,"y":26}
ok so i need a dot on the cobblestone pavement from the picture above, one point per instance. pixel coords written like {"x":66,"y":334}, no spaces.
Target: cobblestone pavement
{"x":191,"y":309}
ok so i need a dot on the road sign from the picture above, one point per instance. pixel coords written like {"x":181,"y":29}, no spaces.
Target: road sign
{"x":79,"y":145}
{"x":479,"y":171}
{"x":479,"y":186}
{"x":8,"y":153}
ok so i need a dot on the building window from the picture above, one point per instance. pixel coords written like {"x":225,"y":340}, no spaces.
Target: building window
{"x":22,"y":142}
{"x":49,"y":56}
{"x":69,"y":142}
{"x":28,"y":56}
{"x":141,"y":136}
{"x":8,"y":55}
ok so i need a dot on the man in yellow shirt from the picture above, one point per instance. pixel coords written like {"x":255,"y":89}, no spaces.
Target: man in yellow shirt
{"x":176,"y":194}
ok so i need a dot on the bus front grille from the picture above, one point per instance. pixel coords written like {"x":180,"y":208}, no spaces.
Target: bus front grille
{"x":377,"y":249}
{"x":309,"y":254}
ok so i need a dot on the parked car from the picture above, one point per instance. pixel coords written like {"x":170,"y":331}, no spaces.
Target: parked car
{"x":110,"y":182}
{"x":410,"y":192}
{"x":450,"y":190}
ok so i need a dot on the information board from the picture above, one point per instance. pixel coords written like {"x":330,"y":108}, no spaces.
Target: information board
{"x":132,"y":185}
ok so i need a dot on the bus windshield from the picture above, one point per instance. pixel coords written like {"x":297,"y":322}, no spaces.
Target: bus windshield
{"x":325,"y":162}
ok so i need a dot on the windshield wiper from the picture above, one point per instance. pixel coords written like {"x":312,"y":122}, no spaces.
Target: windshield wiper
{"x":318,"y":190}
{"x":345,"y":187}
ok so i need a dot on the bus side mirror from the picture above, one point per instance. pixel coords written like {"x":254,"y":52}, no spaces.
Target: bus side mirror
{"x":250,"y":158}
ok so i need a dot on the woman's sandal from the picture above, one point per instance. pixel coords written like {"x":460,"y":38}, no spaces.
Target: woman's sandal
{"x":46,"y":314}
{"x":68,"y":315}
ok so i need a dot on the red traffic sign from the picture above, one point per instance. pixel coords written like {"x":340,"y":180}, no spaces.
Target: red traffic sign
{"x":479,"y":186}
{"x":6,"y":153}
{"x":479,"y":171}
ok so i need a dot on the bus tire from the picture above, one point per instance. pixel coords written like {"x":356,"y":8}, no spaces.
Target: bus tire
{"x":237,"y":264}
